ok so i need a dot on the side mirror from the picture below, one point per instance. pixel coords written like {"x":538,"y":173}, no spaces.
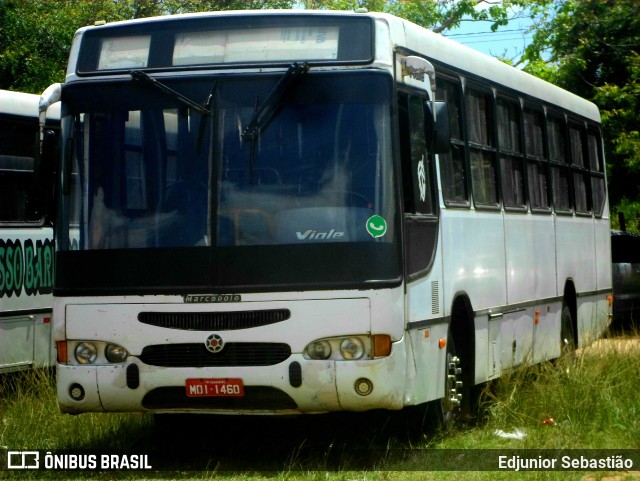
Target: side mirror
{"x":437,"y":124}
{"x":51,"y":95}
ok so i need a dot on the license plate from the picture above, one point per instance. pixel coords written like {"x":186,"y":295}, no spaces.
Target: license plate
{"x":215,"y":387}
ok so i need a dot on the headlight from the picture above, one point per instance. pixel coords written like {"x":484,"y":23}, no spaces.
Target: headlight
{"x":115,"y":353}
{"x":349,"y":348}
{"x":352,"y":348}
{"x":86,"y":353}
{"x":319,"y":350}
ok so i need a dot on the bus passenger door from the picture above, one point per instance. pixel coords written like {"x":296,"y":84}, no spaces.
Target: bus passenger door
{"x":420,"y":228}
{"x":420,"y":221}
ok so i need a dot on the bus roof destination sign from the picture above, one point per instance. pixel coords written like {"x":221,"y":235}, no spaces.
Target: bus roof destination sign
{"x":266,"y":39}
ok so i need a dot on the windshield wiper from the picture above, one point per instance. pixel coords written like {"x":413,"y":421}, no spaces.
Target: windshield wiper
{"x":141,"y":76}
{"x":208,"y":105}
{"x":265,"y":113}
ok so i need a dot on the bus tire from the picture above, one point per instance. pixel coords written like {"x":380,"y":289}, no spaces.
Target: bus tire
{"x":442,"y":412}
{"x":453,"y":383}
{"x":567,"y":334}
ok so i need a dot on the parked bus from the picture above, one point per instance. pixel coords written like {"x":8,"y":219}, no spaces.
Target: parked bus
{"x":26,"y":235}
{"x":625,"y":256}
{"x":284,"y":212}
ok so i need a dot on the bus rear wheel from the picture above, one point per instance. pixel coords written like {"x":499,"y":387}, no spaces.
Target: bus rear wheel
{"x":567,"y":335}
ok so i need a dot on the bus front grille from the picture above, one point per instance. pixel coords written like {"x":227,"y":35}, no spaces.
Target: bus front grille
{"x":233,"y":354}
{"x":255,"y":398}
{"x":214,"y":321}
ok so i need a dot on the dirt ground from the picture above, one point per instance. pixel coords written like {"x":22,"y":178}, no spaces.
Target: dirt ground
{"x":616,"y":344}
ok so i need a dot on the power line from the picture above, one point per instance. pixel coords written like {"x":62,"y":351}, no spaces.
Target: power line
{"x":491,"y":41}
{"x":485,"y":33}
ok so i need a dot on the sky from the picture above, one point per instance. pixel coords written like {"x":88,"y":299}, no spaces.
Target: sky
{"x":508,"y":41}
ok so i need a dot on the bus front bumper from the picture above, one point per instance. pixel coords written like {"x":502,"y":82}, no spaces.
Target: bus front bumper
{"x":295,"y":386}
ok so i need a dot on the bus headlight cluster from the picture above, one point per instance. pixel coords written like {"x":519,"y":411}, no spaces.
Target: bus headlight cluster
{"x":349,"y":348}
{"x":319,"y":350}
{"x":86,"y":352}
{"x":115,"y":353}
{"x":352,"y":348}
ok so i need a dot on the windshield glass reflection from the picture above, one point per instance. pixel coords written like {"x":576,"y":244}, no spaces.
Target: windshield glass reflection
{"x":149,"y":171}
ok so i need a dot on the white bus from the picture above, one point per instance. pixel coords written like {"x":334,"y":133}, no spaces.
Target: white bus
{"x":26,"y":234}
{"x":284,"y":212}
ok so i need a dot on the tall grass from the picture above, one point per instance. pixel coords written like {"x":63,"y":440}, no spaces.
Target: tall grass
{"x":588,"y":401}
{"x":31,"y":419}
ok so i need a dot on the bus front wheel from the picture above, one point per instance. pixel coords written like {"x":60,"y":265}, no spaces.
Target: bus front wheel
{"x":443,"y":411}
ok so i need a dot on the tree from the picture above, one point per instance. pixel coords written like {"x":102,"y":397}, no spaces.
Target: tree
{"x":36,"y":34}
{"x":437,"y":15}
{"x":591,"y":47}
{"x":36,"y":38}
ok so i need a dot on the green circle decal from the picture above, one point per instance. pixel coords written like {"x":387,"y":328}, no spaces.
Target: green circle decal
{"x":376,"y":226}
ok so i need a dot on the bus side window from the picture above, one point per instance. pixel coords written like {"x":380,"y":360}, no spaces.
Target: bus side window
{"x":19,"y":199}
{"x":510,"y":142}
{"x":452,"y":163}
{"x":580,"y":176}
{"x":537,"y":175}
{"x":559,"y":169}
{"x":482,"y":150}
{"x":596,"y":164}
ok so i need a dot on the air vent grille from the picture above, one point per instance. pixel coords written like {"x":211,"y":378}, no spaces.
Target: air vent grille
{"x":233,"y":354}
{"x":435,"y":298}
{"x":214,"y":321}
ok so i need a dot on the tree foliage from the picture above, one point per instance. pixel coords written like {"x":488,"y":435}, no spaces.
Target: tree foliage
{"x":589,"y":47}
{"x":36,"y":34}
{"x":437,"y":15}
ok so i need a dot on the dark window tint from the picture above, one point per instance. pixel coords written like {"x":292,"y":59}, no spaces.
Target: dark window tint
{"x":560,"y":177}
{"x":452,"y":163}
{"x":509,"y":140}
{"x":481,"y":148}
{"x":19,"y":199}
{"x":537,"y":172}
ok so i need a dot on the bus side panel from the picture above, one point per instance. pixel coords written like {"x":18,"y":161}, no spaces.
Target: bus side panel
{"x":26,"y":282}
{"x":425,"y":359}
{"x":531,"y":274}
{"x":16,"y":343}
{"x":546,"y":337}
{"x":474,"y":260}
{"x":604,"y":273}
{"x":473,"y":257}
{"x":530,"y":257}
{"x":575,"y":259}
{"x":484,"y":354}
{"x":425,"y":364}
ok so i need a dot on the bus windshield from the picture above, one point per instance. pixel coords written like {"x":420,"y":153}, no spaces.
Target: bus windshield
{"x":146,"y":171}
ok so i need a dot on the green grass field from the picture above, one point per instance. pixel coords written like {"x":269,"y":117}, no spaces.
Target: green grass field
{"x":591,"y":401}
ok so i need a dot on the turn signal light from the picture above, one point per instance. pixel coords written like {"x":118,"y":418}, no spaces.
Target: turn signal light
{"x":61,"y":348}
{"x":381,"y":345}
